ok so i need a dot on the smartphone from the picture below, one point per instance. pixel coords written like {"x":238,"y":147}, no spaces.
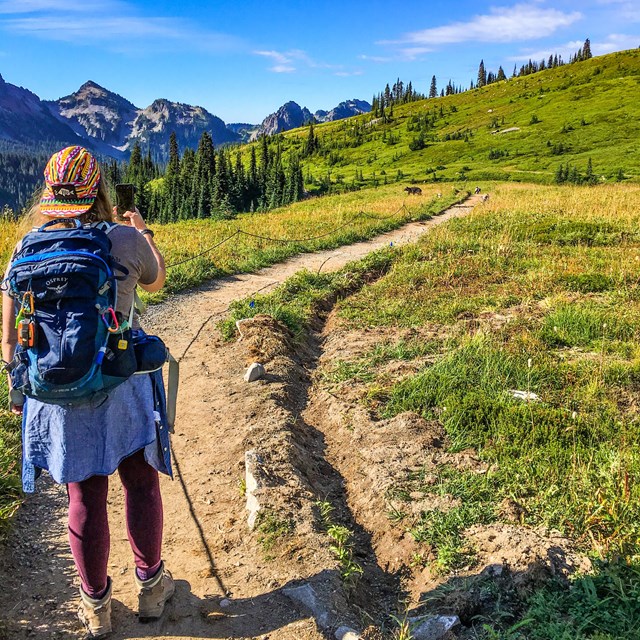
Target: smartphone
{"x":125,"y":199}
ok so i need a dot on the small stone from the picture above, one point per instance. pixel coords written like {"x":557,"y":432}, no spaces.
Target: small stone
{"x":432,"y":627}
{"x":252,"y":465}
{"x":346,"y":633}
{"x":254,"y":372}
{"x":306,"y":596}
{"x":225,"y":602}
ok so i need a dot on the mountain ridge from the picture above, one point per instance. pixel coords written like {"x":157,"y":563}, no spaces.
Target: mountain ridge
{"x":110,"y":124}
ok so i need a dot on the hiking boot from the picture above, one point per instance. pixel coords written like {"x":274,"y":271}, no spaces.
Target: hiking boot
{"x":153,"y":594}
{"x":95,"y":614}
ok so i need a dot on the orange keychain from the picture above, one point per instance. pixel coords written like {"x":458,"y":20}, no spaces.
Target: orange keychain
{"x":26,"y":333}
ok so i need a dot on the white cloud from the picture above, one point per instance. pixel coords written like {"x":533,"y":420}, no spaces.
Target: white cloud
{"x":112,"y":24}
{"x":413,"y":53}
{"x":294,"y":59}
{"x":613,"y":42}
{"x":627,"y":10}
{"x":348,"y":74}
{"x":276,"y":55}
{"x":284,"y":62}
{"x":565,"y":50}
{"x":404,"y":54}
{"x":380,"y":59}
{"x":63,"y":6}
{"x":501,"y":24}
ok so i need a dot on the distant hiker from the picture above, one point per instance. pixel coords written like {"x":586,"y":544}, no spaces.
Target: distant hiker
{"x":82,"y":440}
{"x":485,"y":197}
{"x":413,"y":191}
{"x":477,"y":191}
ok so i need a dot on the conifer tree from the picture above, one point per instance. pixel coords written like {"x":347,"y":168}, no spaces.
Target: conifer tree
{"x":135,"y":174}
{"x":433,"y":90}
{"x":586,"y":50}
{"x":221,"y":206}
{"x":311,"y":143}
{"x":482,"y":75}
{"x":238,"y":184}
{"x":204,"y":176}
{"x":252,"y":180}
{"x":501,"y":75}
{"x":387,"y":95}
{"x":171,"y":195}
{"x":188,"y":185}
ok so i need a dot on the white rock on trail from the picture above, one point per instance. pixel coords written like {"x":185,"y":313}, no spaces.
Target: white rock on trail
{"x":346,"y":633}
{"x":252,"y":476}
{"x":254,"y":372}
{"x":308,"y":598}
{"x":432,"y":627}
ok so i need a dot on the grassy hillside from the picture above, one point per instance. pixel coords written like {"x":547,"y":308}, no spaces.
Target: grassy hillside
{"x":569,"y":114}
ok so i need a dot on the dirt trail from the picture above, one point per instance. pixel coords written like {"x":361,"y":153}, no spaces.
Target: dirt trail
{"x":229,"y":584}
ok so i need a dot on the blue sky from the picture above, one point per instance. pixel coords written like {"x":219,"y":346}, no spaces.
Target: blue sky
{"x":242,"y":60}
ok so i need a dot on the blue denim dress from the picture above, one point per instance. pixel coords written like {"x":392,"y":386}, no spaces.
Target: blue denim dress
{"x":74,"y":443}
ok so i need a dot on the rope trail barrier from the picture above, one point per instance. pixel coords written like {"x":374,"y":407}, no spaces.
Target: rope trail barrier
{"x":202,"y":253}
{"x":241,"y":232}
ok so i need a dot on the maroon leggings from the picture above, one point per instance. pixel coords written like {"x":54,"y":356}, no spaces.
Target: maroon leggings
{"x":89,"y":527}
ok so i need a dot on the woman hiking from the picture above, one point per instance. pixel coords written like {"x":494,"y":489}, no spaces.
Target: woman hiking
{"x":80,"y":445}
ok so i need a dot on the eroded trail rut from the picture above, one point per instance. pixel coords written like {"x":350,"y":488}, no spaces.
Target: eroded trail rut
{"x":230,"y":584}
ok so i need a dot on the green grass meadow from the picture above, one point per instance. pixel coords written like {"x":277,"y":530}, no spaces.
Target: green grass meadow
{"x":536,"y":291}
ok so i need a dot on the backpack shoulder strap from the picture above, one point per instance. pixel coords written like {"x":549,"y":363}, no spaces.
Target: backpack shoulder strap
{"x":104,"y":225}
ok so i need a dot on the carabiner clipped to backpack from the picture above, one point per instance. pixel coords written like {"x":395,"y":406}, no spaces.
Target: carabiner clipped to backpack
{"x":113,"y":326}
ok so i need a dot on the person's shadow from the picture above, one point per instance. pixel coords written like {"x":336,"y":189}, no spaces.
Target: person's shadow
{"x":188,"y":616}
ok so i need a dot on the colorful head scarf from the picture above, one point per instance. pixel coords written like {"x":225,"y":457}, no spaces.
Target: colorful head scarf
{"x":72,"y":177}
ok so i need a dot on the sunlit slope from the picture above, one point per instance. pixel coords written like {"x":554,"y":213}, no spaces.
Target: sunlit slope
{"x":519,"y":129}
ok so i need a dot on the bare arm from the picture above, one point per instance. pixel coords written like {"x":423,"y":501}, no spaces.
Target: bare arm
{"x":137,"y":222}
{"x":158,"y":283}
{"x":9,"y":337}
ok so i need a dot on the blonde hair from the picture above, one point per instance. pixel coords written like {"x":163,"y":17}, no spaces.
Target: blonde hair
{"x":101,"y":209}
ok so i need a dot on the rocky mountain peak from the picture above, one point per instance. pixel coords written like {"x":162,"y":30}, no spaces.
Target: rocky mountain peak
{"x":291,"y":115}
{"x":90,"y":85}
{"x":95,"y":112}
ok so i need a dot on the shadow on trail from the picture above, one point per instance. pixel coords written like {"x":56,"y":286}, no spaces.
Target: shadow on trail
{"x":378,"y":591}
{"x":188,"y":616}
{"x":203,"y":539}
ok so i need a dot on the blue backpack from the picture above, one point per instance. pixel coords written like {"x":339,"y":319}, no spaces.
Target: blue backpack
{"x":71,"y":344}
